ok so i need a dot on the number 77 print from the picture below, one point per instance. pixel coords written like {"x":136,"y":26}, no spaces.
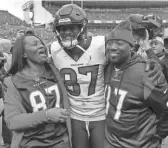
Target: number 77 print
{"x":120,"y":94}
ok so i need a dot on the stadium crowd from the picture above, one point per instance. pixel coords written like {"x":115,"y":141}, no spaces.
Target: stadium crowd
{"x":72,"y":89}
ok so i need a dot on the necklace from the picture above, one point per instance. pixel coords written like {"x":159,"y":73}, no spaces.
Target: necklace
{"x":36,"y":79}
{"x":39,"y":81}
{"x":35,"y":76}
{"x":43,"y":90}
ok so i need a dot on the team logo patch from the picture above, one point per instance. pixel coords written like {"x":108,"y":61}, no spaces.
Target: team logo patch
{"x":65,"y":20}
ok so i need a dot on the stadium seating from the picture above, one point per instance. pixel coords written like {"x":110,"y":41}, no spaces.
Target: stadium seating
{"x":121,"y":14}
{"x":103,"y":14}
{"x":7,"y":18}
{"x":9,"y":24}
{"x":115,"y":14}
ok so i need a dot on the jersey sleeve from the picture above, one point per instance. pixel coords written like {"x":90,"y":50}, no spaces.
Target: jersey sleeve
{"x":155,"y":92}
{"x":15,"y":115}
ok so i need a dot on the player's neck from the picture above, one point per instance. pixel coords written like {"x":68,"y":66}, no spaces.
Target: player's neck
{"x":75,"y":52}
{"x":85,"y":43}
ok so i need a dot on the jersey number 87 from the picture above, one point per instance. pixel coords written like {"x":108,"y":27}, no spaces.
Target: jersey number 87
{"x":72,"y":82}
{"x":41,"y":103}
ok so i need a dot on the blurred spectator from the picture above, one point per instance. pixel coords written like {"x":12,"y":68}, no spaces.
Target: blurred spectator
{"x":5,"y":47}
{"x":166,"y":44}
{"x":29,"y":32}
{"x":90,"y":34}
{"x":20,"y":33}
{"x":157,"y":45}
{"x":1,"y":96}
{"x":2,"y":70}
{"x":4,"y":131}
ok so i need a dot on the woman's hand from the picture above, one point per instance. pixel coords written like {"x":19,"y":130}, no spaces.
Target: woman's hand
{"x":58,"y":114}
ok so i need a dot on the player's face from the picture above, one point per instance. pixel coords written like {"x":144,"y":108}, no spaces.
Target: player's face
{"x":118,"y":51}
{"x":69,"y":32}
{"x":35,"y":51}
{"x":157,"y":46}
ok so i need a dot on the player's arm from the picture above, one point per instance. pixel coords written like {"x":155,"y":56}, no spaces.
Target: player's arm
{"x":155,"y":91}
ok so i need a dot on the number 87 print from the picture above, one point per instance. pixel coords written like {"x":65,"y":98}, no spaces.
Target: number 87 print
{"x":73,"y":79}
{"x":120,"y":94}
{"x":41,"y":104}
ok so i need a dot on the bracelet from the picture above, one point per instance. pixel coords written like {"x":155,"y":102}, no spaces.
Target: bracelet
{"x":46,"y":112}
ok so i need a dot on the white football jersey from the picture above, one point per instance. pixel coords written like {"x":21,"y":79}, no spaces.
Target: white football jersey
{"x":84,"y":79}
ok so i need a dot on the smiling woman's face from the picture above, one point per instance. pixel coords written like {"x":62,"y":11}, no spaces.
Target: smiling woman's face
{"x":34,"y":50}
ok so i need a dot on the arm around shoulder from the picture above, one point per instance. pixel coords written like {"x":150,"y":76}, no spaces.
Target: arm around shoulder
{"x":157,"y":94}
{"x":155,"y":91}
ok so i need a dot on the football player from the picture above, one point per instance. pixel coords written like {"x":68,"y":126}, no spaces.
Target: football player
{"x":81,"y":61}
{"x":134,"y":102}
{"x":34,"y":104}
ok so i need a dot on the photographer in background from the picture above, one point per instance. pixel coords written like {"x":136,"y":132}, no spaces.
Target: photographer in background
{"x":149,"y":31}
{"x":143,"y":25}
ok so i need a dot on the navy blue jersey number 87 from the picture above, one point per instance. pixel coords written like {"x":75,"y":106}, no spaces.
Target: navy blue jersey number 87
{"x":72,"y":81}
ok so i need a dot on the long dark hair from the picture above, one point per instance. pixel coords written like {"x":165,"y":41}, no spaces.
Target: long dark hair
{"x":18,"y":60}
